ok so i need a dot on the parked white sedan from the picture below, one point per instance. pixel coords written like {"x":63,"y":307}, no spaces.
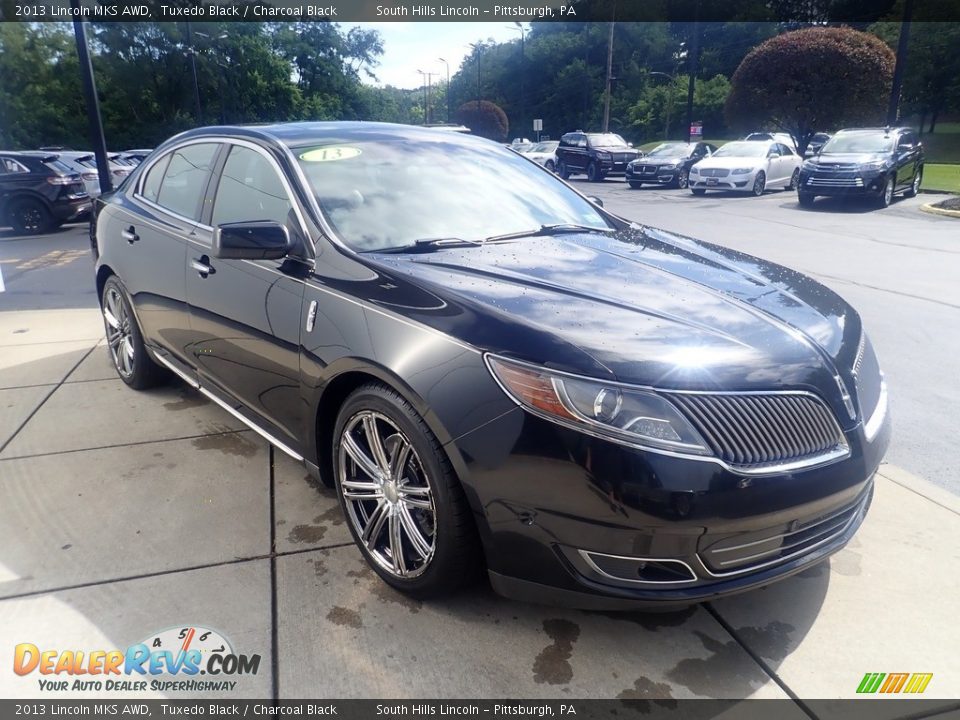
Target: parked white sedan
{"x":747,"y":166}
{"x":544,"y":153}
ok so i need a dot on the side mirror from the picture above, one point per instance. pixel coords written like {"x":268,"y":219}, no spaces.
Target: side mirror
{"x":595,"y":200}
{"x":258,"y":240}
{"x":773,"y":155}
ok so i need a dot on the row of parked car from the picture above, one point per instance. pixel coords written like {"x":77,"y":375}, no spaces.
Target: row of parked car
{"x":42,"y":189}
{"x":874,"y":162}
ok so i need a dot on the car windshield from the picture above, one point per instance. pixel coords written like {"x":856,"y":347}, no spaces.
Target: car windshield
{"x":390,"y":193}
{"x":606,"y":140}
{"x":859,"y":143}
{"x":742,"y":149}
{"x":669,"y":150}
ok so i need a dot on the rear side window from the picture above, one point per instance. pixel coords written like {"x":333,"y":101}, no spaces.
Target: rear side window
{"x":249,"y":190}
{"x":151,"y":185}
{"x":8,"y":165}
{"x":185,"y":179}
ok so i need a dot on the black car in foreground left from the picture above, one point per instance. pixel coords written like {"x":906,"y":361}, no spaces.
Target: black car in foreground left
{"x":599,"y":414}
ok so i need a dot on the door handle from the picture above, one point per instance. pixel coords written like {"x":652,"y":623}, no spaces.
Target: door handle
{"x":130,"y":235}
{"x":202,"y":266}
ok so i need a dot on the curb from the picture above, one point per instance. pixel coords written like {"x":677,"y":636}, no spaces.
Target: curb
{"x":935,"y":494}
{"x":929,"y":208}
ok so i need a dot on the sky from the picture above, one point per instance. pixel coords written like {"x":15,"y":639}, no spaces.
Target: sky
{"x":412,"y":46}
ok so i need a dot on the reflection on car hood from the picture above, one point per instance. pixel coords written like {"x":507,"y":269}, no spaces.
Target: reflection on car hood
{"x":659,"y":160}
{"x":644,"y":307}
{"x":845,"y":158}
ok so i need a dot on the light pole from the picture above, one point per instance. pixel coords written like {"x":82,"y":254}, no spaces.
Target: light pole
{"x":192,"y":54}
{"x":523,"y":96}
{"x":426,"y":109}
{"x":606,"y":93}
{"x":448,"y":87}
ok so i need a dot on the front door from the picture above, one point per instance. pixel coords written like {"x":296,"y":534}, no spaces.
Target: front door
{"x":245,"y":314}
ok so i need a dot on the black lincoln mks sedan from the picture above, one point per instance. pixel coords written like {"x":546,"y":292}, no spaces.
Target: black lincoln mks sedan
{"x":493,"y":371}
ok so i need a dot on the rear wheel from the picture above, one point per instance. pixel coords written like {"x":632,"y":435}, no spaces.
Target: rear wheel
{"x":698,"y":191}
{"x":915,"y":186}
{"x":29,"y":217}
{"x":760,"y":183}
{"x":805,"y":199}
{"x":124,"y":339}
{"x":404,"y":504}
{"x":562,"y":170}
{"x":550,"y":166}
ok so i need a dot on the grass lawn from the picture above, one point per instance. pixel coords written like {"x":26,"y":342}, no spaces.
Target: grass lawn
{"x":941,"y":177}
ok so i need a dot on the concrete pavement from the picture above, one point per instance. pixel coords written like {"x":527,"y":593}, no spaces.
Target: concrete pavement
{"x":126,"y":513}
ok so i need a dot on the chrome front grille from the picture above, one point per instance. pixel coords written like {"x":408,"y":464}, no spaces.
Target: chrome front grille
{"x":835,"y":181}
{"x":744,"y":552}
{"x":757,"y":430}
{"x":714,"y":172}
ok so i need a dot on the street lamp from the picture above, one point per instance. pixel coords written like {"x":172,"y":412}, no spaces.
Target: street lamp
{"x":448,"y":87}
{"x":426,"y":109}
{"x":523,"y":96}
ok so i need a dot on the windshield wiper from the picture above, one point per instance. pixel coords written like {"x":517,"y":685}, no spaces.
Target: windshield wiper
{"x":429,"y":245}
{"x":555,"y":229}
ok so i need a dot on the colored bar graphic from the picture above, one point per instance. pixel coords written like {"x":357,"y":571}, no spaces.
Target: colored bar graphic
{"x":893,"y":683}
{"x":918,"y":682}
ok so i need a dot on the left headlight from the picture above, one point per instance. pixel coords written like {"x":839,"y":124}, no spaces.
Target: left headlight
{"x":622,"y":414}
{"x":603,"y":155}
{"x":742,"y":171}
{"x":878,"y":165}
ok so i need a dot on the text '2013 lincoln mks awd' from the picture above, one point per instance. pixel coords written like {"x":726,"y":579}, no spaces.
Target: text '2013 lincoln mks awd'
{"x":493,"y":371}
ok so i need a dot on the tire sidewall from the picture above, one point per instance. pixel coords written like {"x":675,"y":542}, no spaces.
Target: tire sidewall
{"x":437,"y":469}
{"x":760,"y":180}
{"x":683,"y":179}
{"x":794,"y":180}
{"x":19,"y":206}
{"x":562,"y":170}
{"x":141,"y":376}
{"x":593,"y":175}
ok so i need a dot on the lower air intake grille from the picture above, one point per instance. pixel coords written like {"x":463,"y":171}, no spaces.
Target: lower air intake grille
{"x":752,"y":430}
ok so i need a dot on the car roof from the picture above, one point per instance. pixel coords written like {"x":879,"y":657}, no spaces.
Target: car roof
{"x":300,"y":134}
{"x":884,"y":130}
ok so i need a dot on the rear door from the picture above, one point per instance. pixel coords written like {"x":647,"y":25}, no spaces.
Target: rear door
{"x":245,"y":314}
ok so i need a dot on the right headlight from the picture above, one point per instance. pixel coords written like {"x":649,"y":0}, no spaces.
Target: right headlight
{"x":809,"y":164}
{"x":694,"y":170}
{"x":622,"y":414}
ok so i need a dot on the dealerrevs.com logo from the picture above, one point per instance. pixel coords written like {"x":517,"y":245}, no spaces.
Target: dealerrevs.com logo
{"x":171,"y":660}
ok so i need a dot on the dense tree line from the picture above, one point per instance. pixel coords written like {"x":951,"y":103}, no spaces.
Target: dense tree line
{"x":262,"y":72}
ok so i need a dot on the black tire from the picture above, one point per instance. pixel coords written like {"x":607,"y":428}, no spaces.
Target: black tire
{"x":915,"y":185}
{"x":886,"y":195}
{"x":562,"y":170}
{"x":794,"y":180}
{"x":683,"y":179}
{"x":593,"y":173}
{"x":698,"y":191}
{"x":29,"y":217}
{"x":805,"y":199}
{"x":634,"y":184}
{"x":550,"y":166}
{"x":125,"y":340}
{"x":455,"y":557}
{"x":759,"y":183}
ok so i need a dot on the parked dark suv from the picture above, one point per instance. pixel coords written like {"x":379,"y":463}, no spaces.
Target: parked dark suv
{"x":866,"y":162}
{"x":595,"y":154}
{"x":39,"y":193}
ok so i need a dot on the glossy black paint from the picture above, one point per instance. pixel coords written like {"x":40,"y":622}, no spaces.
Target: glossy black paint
{"x":643,"y":307}
{"x":667,"y":170}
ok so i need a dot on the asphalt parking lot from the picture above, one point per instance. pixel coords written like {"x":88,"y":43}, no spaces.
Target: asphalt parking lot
{"x":123,"y":514}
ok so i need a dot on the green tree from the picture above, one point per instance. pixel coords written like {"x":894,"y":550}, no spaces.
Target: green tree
{"x":810,"y":80}
{"x":485,"y":119}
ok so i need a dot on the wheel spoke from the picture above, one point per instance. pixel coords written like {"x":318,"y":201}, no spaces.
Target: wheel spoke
{"x":114,"y":338}
{"x":417,"y":540}
{"x":363,"y":496}
{"x":398,"y":460}
{"x":375,"y":443}
{"x":374,"y":527}
{"x":360,"y":457}
{"x":396,"y":546}
{"x":111,"y":318}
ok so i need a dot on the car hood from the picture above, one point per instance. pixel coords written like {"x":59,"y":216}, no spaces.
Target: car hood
{"x":844,"y":158}
{"x":731,"y":162}
{"x":660,"y":160}
{"x":619,"y":149}
{"x":644,"y":307}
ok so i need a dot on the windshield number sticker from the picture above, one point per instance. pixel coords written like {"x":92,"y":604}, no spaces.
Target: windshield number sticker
{"x":327,"y":154}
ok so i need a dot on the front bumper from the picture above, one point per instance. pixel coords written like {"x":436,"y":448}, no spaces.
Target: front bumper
{"x":846,"y":184}
{"x":740,"y":183}
{"x":554,"y":505}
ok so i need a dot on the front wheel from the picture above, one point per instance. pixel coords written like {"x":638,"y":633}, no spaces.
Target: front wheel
{"x":683,"y":179}
{"x":886,"y":196}
{"x":634,"y":184}
{"x":593,"y":173}
{"x":124,"y":339}
{"x":915,"y":185}
{"x":794,"y":180}
{"x":550,"y":166}
{"x":759,"y":184}
{"x":403,"y":503}
{"x":563,"y":171}
{"x":29,"y":217}
{"x":805,"y":199}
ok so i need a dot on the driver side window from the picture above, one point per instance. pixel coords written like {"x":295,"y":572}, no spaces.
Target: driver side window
{"x":250,"y":190}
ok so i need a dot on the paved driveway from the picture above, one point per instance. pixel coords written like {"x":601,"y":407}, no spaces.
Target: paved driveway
{"x":123,"y":514}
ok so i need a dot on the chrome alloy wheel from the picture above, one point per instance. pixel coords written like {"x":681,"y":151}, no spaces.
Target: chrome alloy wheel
{"x":119,"y":337}
{"x":387,"y":494}
{"x":888,"y":192}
